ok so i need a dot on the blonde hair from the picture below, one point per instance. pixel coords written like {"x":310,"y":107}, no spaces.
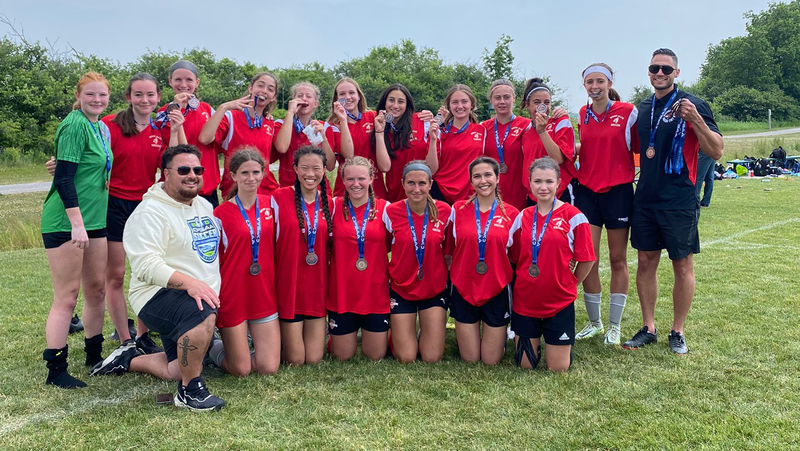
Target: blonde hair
{"x":466,"y":90}
{"x":305,"y":84}
{"x":88,"y":77}
{"x":363,"y":162}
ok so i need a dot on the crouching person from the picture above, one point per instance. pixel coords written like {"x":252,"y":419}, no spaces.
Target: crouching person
{"x":172,"y":242}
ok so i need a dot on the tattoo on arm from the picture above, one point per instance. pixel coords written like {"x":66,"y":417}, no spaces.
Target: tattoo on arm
{"x":185,"y":348}
{"x":174,"y":285}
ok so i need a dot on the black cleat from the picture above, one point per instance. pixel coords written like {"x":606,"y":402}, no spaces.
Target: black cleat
{"x":146,"y":345}
{"x":118,"y":362}
{"x":75,"y":324}
{"x":643,"y":337}
{"x":196,"y":397}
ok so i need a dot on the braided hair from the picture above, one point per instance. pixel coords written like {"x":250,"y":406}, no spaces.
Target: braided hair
{"x":364,"y":162}
{"x":298,"y":195}
{"x":496,"y":169}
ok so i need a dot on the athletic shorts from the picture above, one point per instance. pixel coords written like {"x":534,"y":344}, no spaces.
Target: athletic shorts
{"x":299,"y":318}
{"x":347,"y":323}
{"x":53,"y":240}
{"x":400,"y":305}
{"x":212,"y":197}
{"x":172,"y":313}
{"x":673,"y":230}
{"x":495,"y":313}
{"x":611,"y":209}
{"x":119,"y":210}
{"x":559,"y":329}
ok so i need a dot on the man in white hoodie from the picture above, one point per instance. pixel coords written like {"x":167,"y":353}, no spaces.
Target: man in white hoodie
{"x":172,"y":242}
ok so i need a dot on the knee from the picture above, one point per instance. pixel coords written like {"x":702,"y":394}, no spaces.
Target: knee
{"x":619,"y":264}
{"x":343,"y":355}
{"x":115,"y":278}
{"x":375,"y":354}
{"x":267,"y":368}
{"x":491,"y":361}
{"x":431,"y":356}
{"x":558,"y":366}
{"x":239,"y":369}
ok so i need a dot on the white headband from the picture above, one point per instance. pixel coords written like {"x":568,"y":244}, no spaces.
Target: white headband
{"x":600,"y":69}
{"x":539,"y":88}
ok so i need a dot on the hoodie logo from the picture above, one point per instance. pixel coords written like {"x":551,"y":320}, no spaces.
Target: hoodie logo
{"x":205,"y":238}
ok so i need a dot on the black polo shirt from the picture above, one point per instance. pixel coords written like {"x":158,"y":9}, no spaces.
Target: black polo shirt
{"x":657,"y":189}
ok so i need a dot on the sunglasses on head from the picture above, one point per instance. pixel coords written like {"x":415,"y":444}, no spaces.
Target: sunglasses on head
{"x":654,"y":68}
{"x":184,"y":170}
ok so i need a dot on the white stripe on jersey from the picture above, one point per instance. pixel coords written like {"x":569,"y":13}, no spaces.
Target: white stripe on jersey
{"x":275,"y":210}
{"x":563,"y":124}
{"x":227,"y":141}
{"x":631,"y":121}
{"x":575,"y":221}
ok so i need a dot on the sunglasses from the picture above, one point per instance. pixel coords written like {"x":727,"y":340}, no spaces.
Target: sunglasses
{"x":654,"y":68}
{"x":184,"y":170}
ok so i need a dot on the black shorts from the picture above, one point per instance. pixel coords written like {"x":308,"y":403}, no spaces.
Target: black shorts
{"x":299,"y":318}
{"x":673,"y":230}
{"x":400,"y":305}
{"x":495,"y":313}
{"x":53,"y":240}
{"x":611,"y":209}
{"x":347,"y":323}
{"x":559,"y":329}
{"x":172,"y":313}
{"x":119,"y":210}
{"x":212,"y":197}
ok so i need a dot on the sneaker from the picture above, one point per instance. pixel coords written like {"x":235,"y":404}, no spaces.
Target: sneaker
{"x":131,"y":330}
{"x":75,"y":324}
{"x":612,"y":336}
{"x":677,"y":342}
{"x":146,"y":345}
{"x":118,"y":362}
{"x":643,"y":337}
{"x":590,"y":331}
{"x":196,"y":397}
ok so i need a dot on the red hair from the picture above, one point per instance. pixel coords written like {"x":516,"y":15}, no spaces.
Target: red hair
{"x":88,"y":77}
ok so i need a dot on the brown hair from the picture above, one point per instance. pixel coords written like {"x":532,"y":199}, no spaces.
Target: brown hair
{"x":256,"y":77}
{"x":364,"y":162}
{"x":433,"y":212}
{"x":88,"y":77}
{"x":241,"y":157}
{"x":466,"y":90}
{"x":544,"y":163}
{"x":612,"y":93}
{"x":362,"y":101}
{"x":496,"y":169}
{"x":125,"y":118}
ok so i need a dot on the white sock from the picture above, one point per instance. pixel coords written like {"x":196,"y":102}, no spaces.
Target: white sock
{"x":217,"y":353}
{"x":615,"y":308}
{"x":592,"y":302}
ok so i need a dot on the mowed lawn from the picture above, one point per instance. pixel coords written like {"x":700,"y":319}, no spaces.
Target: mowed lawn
{"x":738,"y":388}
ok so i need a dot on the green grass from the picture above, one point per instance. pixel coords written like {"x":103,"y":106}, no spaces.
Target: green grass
{"x":23,"y":172}
{"x":20,"y":216}
{"x":760,"y":147}
{"x":744,"y":127}
{"x":737,"y":389}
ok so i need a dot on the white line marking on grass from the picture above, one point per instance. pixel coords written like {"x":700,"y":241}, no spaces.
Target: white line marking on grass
{"x":14,"y":424}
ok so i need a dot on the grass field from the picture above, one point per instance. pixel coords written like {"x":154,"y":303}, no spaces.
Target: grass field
{"x":737,"y":389}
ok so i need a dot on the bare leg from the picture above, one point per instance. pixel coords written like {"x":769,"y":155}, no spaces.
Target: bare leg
{"x":93,"y":281}
{"x":683,"y":291}
{"x":432,"y":325}
{"x":343,"y":347}
{"x":237,"y":350}
{"x":267,"y":343}
{"x":557,"y":357}
{"x":493,"y":344}
{"x":314,"y":339}
{"x":373,"y":344}
{"x":468,"y":337}
{"x":647,"y":286}
{"x":294,"y":351}
{"x":66,"y":264}
{"x":592,"y":284}
{"x":618,"y":256}
{"x":192,"y":347}
{"x":156,"y":365}
{"x":115,"y":295}
{"x":404,"y":336}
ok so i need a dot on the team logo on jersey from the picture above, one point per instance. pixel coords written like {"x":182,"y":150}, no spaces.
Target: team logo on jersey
{"x":268,"y":130}
{"x":499,"y":221}
{"x":515,"y":131}
{"x":616,"y":119}
{"x":157,"y":141}
{"x":392,"y":303}
{"x":477,"y":136}
{"x":413,"y":136}
{"x":205,"y":115}
{"x":549,"y":128}
{"x":367,"y":127}
{"x":437,"y":226}
{"x":205,"y":238}
{"x":267,"y":213}
{"x":560,"y":224}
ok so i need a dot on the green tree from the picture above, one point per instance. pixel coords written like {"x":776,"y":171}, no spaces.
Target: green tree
{"x":640,"y":93}
{"x":500,"y":62}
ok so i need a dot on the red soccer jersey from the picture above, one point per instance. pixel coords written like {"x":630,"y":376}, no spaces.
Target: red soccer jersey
{"x":233,"y":133}
{"x":606,"y":157}
{"x":353,"y":291}
{"x":532,"y":148}
{"x":476,"y":288}
{"x":195,"y":120}
{"x":417,"y":150}
{"x":403,"y":267}
{"x":301,"y":288}
{"x":513,"y":188}
{"x":242,"y":295}
{"x":456,"y":152}
{"x":361,"y":133}
{"x":136,"y":160}
{"x":567,"y":237}
{"x":286,"y":173}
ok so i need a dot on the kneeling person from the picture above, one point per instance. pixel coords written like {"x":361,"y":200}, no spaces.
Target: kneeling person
{"x":172,"y":242}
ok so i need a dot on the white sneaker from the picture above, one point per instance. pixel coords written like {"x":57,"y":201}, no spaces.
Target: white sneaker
{"x":590,"y":330}
{"x":613,"y":334}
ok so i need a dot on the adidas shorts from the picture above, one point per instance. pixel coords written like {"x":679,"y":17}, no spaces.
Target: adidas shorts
{"x":495,"y":313}
{"x":559,"y":329}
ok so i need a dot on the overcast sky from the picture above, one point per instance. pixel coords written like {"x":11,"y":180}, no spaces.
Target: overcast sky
{"x":556,"y":38}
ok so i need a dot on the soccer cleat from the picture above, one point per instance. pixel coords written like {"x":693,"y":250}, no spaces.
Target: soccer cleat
{"x":677,"y":342}
{"x":196,"y":397}
{"x":146,"y":345}
{"x":118,"y":362}
{"x":75,"y":324}
{"x":643,"y":337}
{"x":590,"y":331}
{"x":612,"y":336}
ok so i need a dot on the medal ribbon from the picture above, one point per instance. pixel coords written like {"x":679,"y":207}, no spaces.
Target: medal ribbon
{"x":482,"y":236}
{"x":257,"y":120}
{"x":311,"y":233}
{"x":590,"y":113}
{"x":536,"y":244}
{"x":351,"y":116}
{"x":102,"y":140}
{"x":674,"y":162}
{"x":298,"y":126}
{"x":450,"y":125}
{"x":255,"y":238}
{"x":501,"y":145}
{"x":419,"y":248}
{"x":362,"y":230}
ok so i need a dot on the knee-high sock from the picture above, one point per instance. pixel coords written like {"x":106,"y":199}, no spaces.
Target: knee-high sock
{"x":615,"y":308}
{"x":592,"y":301}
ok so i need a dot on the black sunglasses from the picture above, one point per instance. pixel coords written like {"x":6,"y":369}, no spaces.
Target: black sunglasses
{"x":184,"y":170}
{"x":654,"y":68}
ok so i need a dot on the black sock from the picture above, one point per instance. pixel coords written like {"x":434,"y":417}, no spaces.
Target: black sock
{"x":94,"y":350}
{"x":57,"y":365}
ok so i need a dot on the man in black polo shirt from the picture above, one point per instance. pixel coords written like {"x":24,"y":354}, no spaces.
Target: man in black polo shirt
{"x":672,"y":126}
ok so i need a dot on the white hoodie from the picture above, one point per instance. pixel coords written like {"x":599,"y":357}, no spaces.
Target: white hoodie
{"x":162,"y":236}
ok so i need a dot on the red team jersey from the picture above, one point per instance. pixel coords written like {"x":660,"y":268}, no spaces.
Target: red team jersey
{"x":456,"y":152}
{"x":403,"y":267}
{"x":286,"y":173}
{"x":361,"y":132}
{"x":513,"y":187}
{"x":478,"y":289}
{"x":417,"y":150}
{"x":606,"y":157}
{"x":353,"y":291}
{"x":567,"y":237}
{"x":195,"y":120}
{"x":532,"y":148}
{"x":136,"y":159}
{"x":242,"y":295}
{"x":301,"y":288}
{"x":233,"y":133}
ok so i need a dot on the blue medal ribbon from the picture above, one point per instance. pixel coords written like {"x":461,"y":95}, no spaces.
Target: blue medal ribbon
{"x":298,"y":126}
{"x":674,"y":162}
{"x":483,"y":235}
{"x":257,"y":120}
{"x":450,"y":125}
{"x":419,"y":248}
{"x":501,"y":144}
{"x":351,"y":116}
{"x":163,"y":117}
{"x":311,"y":232}
{"x":590,"y":113}
{"x":255,"y":237}
{"x":360,"y":231}
{"x":102,"y":140}
{"x":536,"y":244}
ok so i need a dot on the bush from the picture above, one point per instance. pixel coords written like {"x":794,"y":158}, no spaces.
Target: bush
{"x":747,"y":104}
{"x":9,"y":155}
